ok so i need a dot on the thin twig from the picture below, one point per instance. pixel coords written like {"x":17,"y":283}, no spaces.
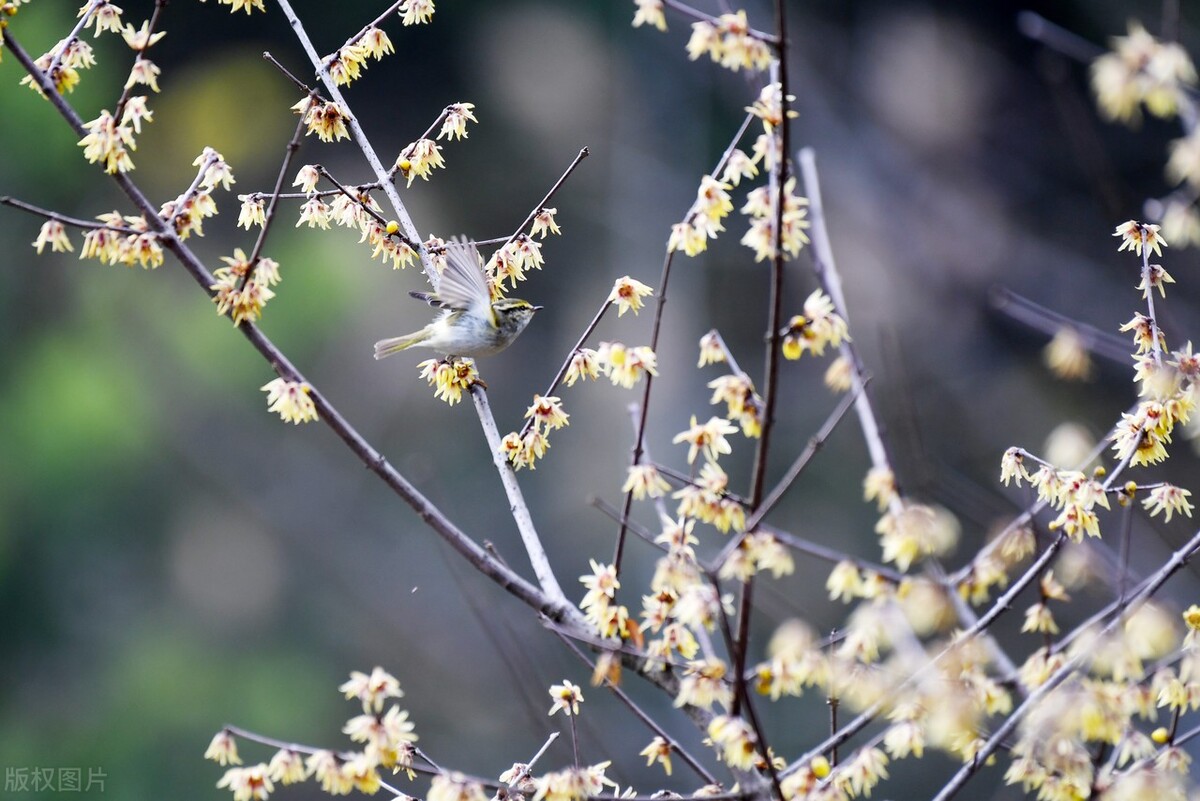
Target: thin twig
{"x":373,"y":24}
{"x":1048,"y":322}
{"x":395,"y":168}
{"x":301,"y":85}
{"x":356,"y":197}
{"x":520,"y":512}
{"x":128,"y":89}
{"x":696,"y":13}
{"x":562,"y":371}
{"x":825,"y":267}
{"x":63,"y":218}
{"x":583,"y":153}
{"x":56,"y":61}
{"x":815,"y":443}
{"x":360,"y":138}
{"x":289,"y":153}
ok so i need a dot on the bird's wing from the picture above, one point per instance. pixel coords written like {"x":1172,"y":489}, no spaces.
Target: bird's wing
{"x":463,"y":285}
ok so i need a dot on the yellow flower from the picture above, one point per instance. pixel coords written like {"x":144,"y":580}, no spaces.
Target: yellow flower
{"x":711,"y":351}
{"x":644,"y":481}
{"x":1135,"y":236}
{"x":1168,"y":498}
{"x":54,"y":234}
{"x":650,"y":12}
{"x":223,"y":749}
{"x":625,"y":365}
{"x":286,"y":767}
{"x":627,"y":293}
{"x":108,"y":143}
{"x":372,"y":689}
{"x":734,"y":740}
{"x":659,"y":750}
{"x":567,"y":697}
{"x":326,"y":120}
{"x":248,"y":784}
{"x":543,"y":223}
{"x":547,"y":412}
{"x":584,"y":365}
{"x":290,"y":400}
{"x":416,"y":12}
{"x":419,"y":160}
{"x":709,"y":437}
{"x":457,"y":117}
{"x":1067,"y":355}
{"x":140,"y":39}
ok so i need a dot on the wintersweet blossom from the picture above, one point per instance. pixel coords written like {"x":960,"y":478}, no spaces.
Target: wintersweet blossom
{"x":1168,"y":498}
{"x":1067,"y":355}
{"x":307,"y":178}
{"x":290,"y":400}
{"x":240,"y":295}
{"x":734,"y":740}
{"x":584,"y":364}
{"x":249,"y":783}
{"x":729,"y":42}
{"x":54,"y":234}
{"x":1141,"y":70}
{"x":419,"y":160}
{"x":253,"y":211}
{"x":108,"y":143}
{"x":416,"y":12}
{"x":711,"y":351}
{"x":627,"y":293}
{"x":144,"y":72}
{"x":457,"y":117}
{"x":223,"y":749}
{"x":644,"y":481}
{"x":372,"y":689}
{"x":659,"y":750}
{"x":547,"y":412}
{"x":140,"y":39}
{"x":768,"y":106}
{"x":819,"y":327}
{"x":243,"y":5}
{"x":650,"y":12}
{"x":287,"y":767}
{"x":1135,"y":236}
{"x":524,"y":451}
{"x":326,"y":120}
{"x":624,"y":365}
{"x":449,"y":378}
{"x":105,"y":16}
{"x":543,"y":223}
{"x":709,"y":438}
{"x":703,"y":684}
{"x":567,"y":697}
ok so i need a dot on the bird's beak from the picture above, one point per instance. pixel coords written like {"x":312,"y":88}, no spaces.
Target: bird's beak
{"x":538,"y":308}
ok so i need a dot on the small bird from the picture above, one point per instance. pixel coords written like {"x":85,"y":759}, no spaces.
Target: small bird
{"x":470,"y":323}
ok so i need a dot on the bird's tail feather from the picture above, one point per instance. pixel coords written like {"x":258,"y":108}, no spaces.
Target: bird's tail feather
{"x":386,"y":347}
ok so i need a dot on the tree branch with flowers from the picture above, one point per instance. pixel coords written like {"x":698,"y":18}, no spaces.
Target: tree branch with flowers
{"x":919,"y":659}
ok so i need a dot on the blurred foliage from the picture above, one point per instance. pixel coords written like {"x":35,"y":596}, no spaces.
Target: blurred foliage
{"x":172,"y":558}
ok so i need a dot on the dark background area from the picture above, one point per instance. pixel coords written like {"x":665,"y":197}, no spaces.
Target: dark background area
{"x":173,"y":558}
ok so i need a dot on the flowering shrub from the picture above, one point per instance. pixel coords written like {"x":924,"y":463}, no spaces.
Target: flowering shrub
{"x":1093,"y":708}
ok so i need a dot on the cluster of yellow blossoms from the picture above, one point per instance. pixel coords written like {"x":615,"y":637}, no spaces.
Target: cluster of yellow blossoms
{"x":704,"y":219}
{"x":623,"y":365}
{"x":386,"y":738}
{"x":449,"y":377}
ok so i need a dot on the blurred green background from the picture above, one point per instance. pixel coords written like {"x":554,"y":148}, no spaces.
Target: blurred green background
{"x":173,"y":557}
